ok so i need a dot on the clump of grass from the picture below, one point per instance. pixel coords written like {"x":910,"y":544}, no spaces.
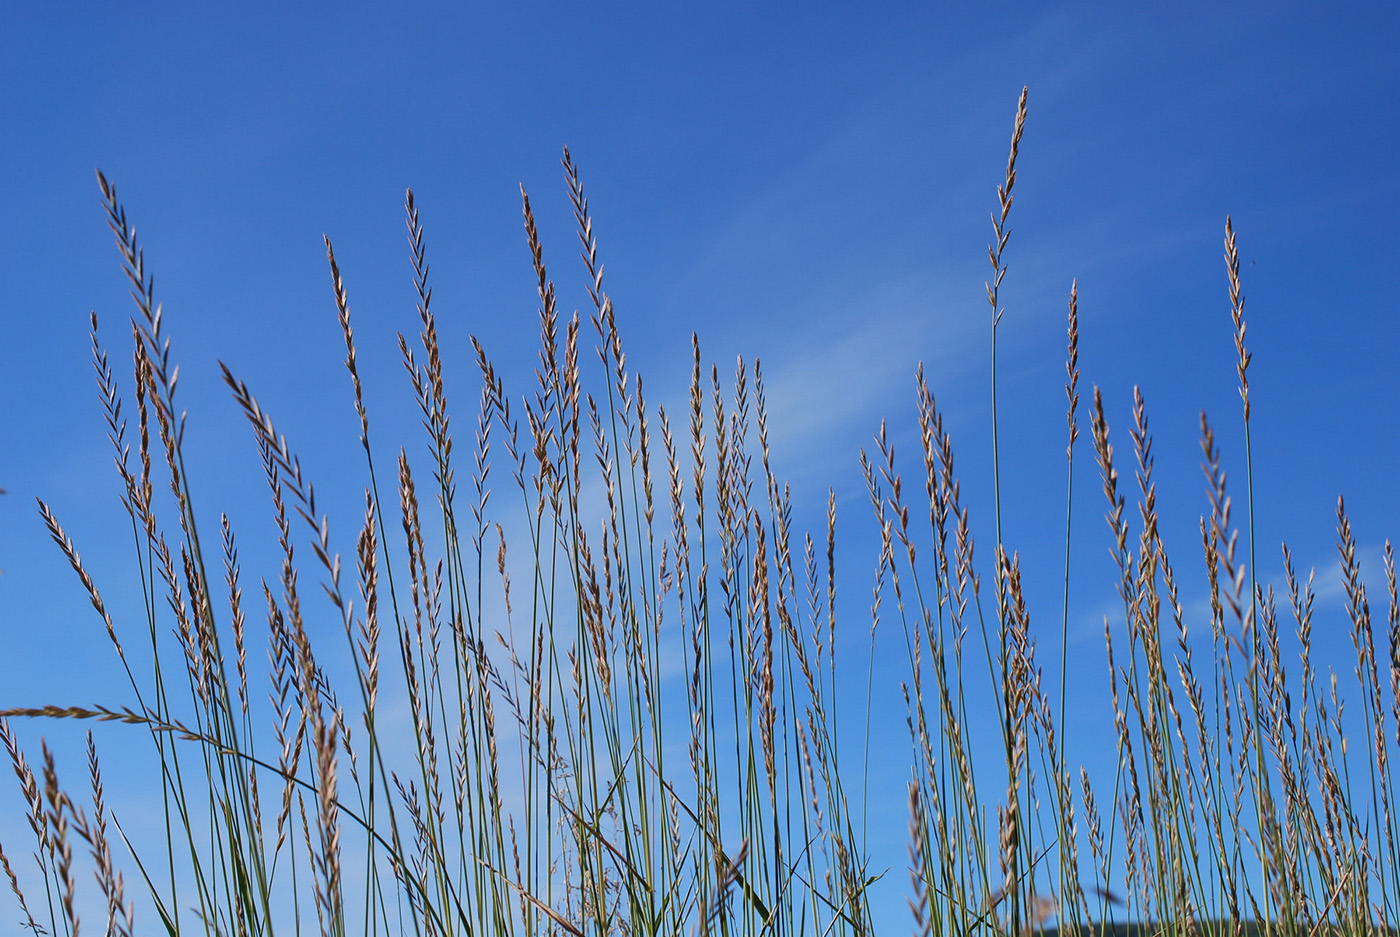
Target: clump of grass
{"x":1230,"y":806}
{"x":510,"y":758}
{"x":582,"y":809}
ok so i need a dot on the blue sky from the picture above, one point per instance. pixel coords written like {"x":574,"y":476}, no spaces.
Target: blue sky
{"x":811,"y":188}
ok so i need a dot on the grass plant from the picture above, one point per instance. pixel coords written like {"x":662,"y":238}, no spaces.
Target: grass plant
{"x":554,"y":780}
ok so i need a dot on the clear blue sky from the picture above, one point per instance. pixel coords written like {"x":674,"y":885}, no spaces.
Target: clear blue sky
{"x":811,"y":188}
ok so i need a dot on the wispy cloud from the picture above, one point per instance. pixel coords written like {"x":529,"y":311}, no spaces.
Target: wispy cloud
{"x":847,"y":376}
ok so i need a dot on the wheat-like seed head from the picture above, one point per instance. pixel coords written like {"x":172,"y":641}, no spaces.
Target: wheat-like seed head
{"x":342,"y":306}
{"x":1232,"y":266}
